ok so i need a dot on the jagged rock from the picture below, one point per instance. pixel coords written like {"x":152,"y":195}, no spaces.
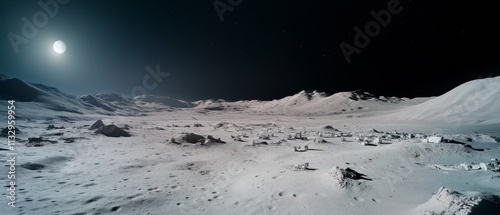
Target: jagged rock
{"x":345,"y":178}
{"x":112,"y":131}
{"x":38,"y":141}
{"x":375,"y":131}
{"x":320,"y":140}
{"x":97,"y":125}
{"x":35,"y":139}
{"x":329,"y":127}
{"x":194,"y":139}
{"x":301,"y":148}
{"x":447,"y":201}
{"x":189,"y":138}
{"x":210,"y":139}
{"x":52,"y":127}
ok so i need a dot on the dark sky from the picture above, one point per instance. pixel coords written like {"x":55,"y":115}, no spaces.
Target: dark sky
{"x":261,"y":50}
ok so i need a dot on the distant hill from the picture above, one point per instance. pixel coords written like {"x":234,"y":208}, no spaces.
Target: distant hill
{"x":313,"y":103}
{"x":41,"y":98}
{"x":475,"y":101}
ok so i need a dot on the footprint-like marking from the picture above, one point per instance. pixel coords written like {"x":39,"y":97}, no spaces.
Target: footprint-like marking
{"x":93,"y":199}
{"x":133,"y":196}
{"x":89,"y":185}
{"x":359,"y":199}
{"x":115,"y":208}
{"x":33,"y":166}
{"x":50,"y":162}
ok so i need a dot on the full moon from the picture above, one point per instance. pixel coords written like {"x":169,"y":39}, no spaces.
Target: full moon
{"x":59,"y":47}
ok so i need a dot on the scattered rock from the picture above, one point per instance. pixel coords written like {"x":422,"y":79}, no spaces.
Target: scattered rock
{"x":54,"y":134}
{"x":420,"y":136}
{"x":197,"y":125}
{"x":345,"y":178}
{"x":52,"y":127}
{"x":220,"y":124}
{"x":447,"y":201}
{"x":375,"y":131}
{"x":497,"y":139}
{"x":188,"y":138}
{"x":320,"y":140}
{"x":193,"y":138}
{"x":265,"y":136}
{"x":301,"y":167}
{"x":434,"y":139}
{"x":112,"y":131}
{"x":301,"y":148}
{"x":69,"y":140}
{"x":210,"y":139}
{"x":258,"y":143}
{"x":329,"y":127}
{"x":493,"y":165}
{"x":32,"y":141}
{"x":239,"y":137}
{"x":97,"y":125}
{"x":296,"y":136}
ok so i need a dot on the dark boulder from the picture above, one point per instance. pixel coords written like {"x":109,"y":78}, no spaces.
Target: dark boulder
{"x":112,"y":131}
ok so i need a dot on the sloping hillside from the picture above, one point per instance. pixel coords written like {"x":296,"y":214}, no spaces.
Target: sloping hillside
{"x":476,"y":101}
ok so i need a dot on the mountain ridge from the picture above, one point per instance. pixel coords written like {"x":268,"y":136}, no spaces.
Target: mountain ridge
{"x":305,"y":102}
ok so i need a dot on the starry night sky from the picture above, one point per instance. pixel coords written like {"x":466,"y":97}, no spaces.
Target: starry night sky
{"x":261,"y":50}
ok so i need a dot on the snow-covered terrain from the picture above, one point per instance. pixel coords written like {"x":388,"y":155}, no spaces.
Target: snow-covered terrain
{"x":473,"y":102}
{"x":310,"y":153}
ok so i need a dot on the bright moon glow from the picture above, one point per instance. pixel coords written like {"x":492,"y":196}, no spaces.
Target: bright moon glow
{"x":59,"y":47}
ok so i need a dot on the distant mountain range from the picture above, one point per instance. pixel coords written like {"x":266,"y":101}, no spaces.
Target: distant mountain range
{"x":51,"y":98}
{"x":477,"y":100}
